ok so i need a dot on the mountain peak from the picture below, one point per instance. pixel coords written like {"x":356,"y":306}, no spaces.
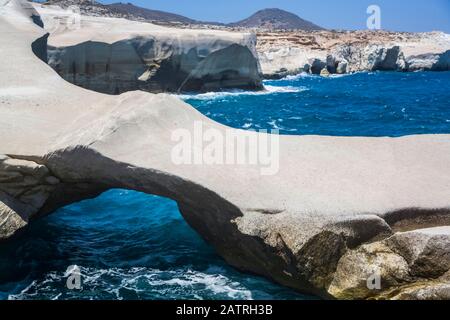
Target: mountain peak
{"x":275,"y":18}
{"x":269,"y":18}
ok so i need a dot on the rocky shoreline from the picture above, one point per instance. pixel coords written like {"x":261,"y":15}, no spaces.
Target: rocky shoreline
{"x":114,"y":55}
{"x":341,"y":52}
{"x":341,"y":211}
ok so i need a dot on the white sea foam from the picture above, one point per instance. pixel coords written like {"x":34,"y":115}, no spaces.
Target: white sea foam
{"x":308,"y":75}
{"x":110,"y":283}
{"x":298,"y":76}
{"x":334,"y":76}
{"x":294,"y":77}
{"x":286,"y":89}
{"x":268,"y":89}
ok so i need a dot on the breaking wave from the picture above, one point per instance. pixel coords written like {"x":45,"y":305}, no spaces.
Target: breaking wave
{"x":137,"y":283}
{"x":268,"y":89}
{"x":127,"y":245}
{"x":305,"y":75}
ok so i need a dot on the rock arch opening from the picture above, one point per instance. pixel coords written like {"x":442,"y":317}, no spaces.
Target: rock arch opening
{"x":127,"y":245}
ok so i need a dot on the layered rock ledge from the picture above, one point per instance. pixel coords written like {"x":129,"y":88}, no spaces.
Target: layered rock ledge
{"x":340,"y":210}
{"x":114,"y":55}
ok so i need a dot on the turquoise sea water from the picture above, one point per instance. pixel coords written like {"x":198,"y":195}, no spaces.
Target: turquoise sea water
{"x":130,"y":245}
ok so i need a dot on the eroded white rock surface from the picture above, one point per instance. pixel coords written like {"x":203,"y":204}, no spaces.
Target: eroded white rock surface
{"x":333,"y":199}
{"x":114,"y":55}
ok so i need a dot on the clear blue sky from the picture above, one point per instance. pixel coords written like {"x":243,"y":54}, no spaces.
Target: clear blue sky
{"x":398,"y":15}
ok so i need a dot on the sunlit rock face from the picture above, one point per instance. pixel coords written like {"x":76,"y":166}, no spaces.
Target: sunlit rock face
{"x":409,"y":265}
{"x":287,"y":53}
{"x":112,"y":55}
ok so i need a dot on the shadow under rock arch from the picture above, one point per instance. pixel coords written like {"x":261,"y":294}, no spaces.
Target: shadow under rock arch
{"x":84,"y":174}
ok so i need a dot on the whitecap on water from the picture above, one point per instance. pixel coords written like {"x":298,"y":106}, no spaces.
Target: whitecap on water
{"x":304,"y":75}
{"x":294,"y":77}
{"x":334,"y":76}
{"x":138,"y":282}
{"x":298,"y":76}
{"x":285,"y":89}
{"x":268,"y":89}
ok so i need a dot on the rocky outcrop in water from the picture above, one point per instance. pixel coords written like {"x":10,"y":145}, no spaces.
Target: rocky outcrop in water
{"x":338,"y":210}
{"x":115,"y":55}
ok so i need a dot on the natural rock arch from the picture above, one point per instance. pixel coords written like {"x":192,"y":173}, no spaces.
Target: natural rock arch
{"x":333,"y":200}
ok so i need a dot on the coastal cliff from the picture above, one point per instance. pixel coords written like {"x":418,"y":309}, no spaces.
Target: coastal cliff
{"x":288,"y":53}
{"x":112,"y":55}
{"x":339,"y":211}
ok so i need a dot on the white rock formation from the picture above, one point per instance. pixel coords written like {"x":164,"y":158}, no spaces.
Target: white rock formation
{"x":113,"y":55}
{"x":330,"y":199}
{"x":368,"y":58}
{"x":288,"y":53}
{"x":288,"y":60}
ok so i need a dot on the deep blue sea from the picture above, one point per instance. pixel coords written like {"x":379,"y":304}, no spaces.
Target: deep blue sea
{"x":130,"y":245}
{"x":361,"y":104}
